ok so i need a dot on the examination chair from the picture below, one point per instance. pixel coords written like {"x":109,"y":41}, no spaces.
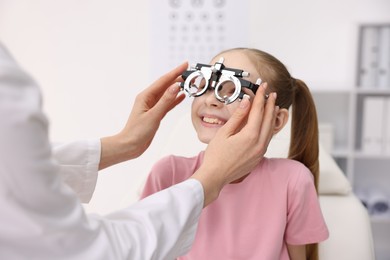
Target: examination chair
{"x":346,"y":217}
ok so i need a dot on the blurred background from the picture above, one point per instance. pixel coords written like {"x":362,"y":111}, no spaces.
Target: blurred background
{"x":91,"y":58}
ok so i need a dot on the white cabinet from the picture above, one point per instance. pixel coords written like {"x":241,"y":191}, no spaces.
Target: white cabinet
{"x":361,"y":123}
{"x":334,"y":108}
{"x":367,"y":167}
{"x":369,"y":173}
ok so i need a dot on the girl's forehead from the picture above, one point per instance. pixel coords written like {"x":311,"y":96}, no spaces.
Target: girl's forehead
{"x":238,"y":60}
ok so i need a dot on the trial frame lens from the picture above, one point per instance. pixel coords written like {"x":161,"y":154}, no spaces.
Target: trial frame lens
{"x":196,"y":84}
{"x":228,"y":89}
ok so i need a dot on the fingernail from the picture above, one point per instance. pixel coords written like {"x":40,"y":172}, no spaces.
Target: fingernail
{"x":274,"y":95}
{"x":265,"y":85}
{"x":245,"y":102}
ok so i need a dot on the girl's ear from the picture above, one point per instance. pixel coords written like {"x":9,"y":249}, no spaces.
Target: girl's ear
{"x":281,"y":120}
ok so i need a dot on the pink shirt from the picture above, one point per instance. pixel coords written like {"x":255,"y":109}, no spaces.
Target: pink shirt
{"x":254,"y":219}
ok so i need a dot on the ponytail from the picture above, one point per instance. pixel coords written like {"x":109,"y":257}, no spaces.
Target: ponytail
{"x":304,"y":145}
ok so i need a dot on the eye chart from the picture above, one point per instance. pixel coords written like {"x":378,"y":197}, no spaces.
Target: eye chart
{"x":195,"y":31}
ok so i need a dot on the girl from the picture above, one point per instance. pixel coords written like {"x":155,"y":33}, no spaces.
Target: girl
{"x":273,"y":212}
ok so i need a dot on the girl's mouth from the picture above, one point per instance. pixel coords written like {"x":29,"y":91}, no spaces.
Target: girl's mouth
{"x":212,"y":120}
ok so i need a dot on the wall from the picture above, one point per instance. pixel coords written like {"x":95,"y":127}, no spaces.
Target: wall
{"x":91,"y":57}
{"x":317,"y":40}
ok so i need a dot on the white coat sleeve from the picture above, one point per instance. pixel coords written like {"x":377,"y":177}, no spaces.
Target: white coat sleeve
{"x":42,"y":218}
{"x":79,"y":163}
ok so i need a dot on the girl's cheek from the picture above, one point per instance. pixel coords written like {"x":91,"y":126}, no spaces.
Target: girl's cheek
{"x":233,"y":107}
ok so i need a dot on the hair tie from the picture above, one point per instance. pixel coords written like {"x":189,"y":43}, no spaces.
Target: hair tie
{"x":293,"y":83}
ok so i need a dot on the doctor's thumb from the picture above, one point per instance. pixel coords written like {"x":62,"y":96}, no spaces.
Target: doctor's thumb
{"x":235,"y":123}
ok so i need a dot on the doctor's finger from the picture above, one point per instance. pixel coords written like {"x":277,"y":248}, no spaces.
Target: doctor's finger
{"x":256,"y":114}
{"x":237,"y":119}
{"x":157,"y":89}
{"x":167,"y":102}
{"x":269,"y":119}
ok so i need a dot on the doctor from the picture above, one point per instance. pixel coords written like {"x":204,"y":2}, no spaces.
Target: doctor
{"x":42,"y":217}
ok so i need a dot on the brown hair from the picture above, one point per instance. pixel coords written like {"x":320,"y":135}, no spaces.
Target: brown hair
{"x":304,"y":146}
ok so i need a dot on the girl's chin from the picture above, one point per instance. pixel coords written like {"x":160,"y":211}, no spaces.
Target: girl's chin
{"x":205,"y":139}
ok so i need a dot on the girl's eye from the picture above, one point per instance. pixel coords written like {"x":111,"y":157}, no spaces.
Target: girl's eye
{"x":226,"y":89}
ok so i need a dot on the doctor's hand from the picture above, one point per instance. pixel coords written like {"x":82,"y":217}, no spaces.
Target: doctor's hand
{"x":150,"y":107}
{"x":238,"y":147}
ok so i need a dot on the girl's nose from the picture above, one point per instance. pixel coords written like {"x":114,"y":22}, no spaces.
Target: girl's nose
{"x":211,"y":100}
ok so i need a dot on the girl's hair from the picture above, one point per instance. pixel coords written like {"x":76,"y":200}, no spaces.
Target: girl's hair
{"x":304,"y":146}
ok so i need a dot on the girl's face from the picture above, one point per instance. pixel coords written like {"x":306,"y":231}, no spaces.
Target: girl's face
{"x":209,"y":114}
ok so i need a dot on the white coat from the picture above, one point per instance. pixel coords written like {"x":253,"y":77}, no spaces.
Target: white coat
{"x":42,"y":218}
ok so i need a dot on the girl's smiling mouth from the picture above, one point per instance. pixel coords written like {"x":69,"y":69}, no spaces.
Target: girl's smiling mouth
{"x":211,"y":120}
